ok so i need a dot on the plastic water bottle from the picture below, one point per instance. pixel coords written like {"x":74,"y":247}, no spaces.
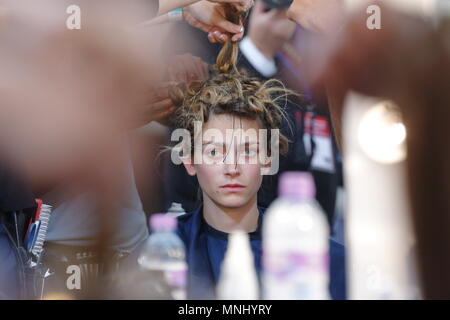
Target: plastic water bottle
{"x":295,"y":242}
{"x":238,"y":279}
{"x":163,"y":257}
{"x":381,"y":243}
{"x":175,"y":210}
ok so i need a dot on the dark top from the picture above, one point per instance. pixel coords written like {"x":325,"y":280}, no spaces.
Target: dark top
{"x":206,"y":247}
{"x":15,"y":195}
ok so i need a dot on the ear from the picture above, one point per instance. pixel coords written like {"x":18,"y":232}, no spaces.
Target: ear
{"x":266,"y":165}
{"x":190,"y":168}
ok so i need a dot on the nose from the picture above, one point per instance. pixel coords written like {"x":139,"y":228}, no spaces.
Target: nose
{"x":231,"y":163}
{"x":232,"y":170}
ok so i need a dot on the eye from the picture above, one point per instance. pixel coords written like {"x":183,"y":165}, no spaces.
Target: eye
{"x":213,"y":151}
{"x":250,"y":151}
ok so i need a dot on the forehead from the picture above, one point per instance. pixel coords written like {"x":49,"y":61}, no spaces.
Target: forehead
{"x":225,"y":122}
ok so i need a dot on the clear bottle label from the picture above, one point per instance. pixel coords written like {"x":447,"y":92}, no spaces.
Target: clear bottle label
{"x":296,"y":275}
{"x":176,"y":278}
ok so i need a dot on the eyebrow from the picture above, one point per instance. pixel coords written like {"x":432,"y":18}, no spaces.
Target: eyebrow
{"x":223,"y":144}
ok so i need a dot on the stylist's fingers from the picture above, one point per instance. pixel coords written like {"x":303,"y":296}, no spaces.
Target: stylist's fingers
{"x":240,"y":34}
{"x":160,"y":106}
{"x":161,"y":115}
{"x":237,"y":36}
{"x":187,"y":68}
{"x":184,"y":72}
{"x":195,"y":23}
{"x":184,"y":69}
{"x":195,"y":68}
{"x":204,"y":70}
{"x":147,"y":98}
{"x":181,"y":69}
{"x":162,"y":92}
{"x":222,"y":37}
{"x":149,"y":112}
{"x":173,"y":73}
{"x":243,"y":5}
{"x":219,"y":36}
{"x":201,"y":68}
{"x":211,"y":37}
{"x":189,"y":63}
{"x":229,"y":26}
{"x":157,"y":93}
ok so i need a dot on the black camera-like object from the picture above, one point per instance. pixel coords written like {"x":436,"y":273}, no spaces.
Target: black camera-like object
{"x":277,"y":4}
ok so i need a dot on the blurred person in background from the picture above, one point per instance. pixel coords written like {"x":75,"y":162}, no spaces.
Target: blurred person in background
{"x":373,"y":62}
{"x":68,"y":98}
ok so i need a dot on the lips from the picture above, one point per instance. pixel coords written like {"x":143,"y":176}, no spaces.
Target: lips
{"x":232,"y":187}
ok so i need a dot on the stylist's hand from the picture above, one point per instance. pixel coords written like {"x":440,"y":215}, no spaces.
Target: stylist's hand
{"x":167,"y":5}
{"x":210,"y":17}
{"x":186,"y":68}
{"x":240,"y":5}
{"x":154,"y":105}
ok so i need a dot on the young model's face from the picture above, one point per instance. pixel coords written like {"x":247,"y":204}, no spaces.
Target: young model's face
{"x":230,"y":172}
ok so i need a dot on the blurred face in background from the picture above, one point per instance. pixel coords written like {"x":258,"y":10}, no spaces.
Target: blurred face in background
{"x":230,"y":173}
{"x":269,"y":29}
{"x":321,"y":16}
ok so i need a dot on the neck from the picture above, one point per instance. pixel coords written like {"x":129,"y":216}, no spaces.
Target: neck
{"x":226,"y":219}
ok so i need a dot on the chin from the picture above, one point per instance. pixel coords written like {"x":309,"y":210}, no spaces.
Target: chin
{"x":232,"y":201}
